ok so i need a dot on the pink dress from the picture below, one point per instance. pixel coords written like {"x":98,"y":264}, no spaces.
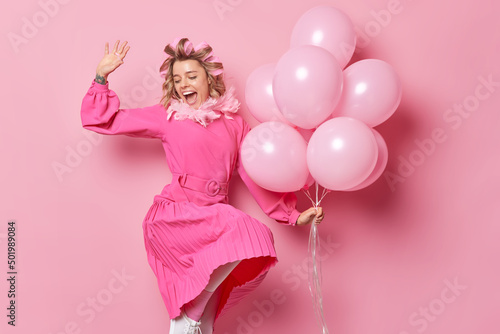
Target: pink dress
{"x":190,"y":229}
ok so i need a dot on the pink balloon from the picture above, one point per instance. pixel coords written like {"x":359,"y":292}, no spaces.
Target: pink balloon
{"x":341,"y":153}
{"x":306,"y":133}
{"x":274,"y":156}
{"x":307,"y":85}
{"x":371,"y":92}
{"x":383,"y":156}
{"x":259,"y":95}
{"x":329,"y":28}
{"x":309,"y":182}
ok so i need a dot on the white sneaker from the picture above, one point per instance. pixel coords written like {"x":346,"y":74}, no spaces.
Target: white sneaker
{"x":184,"y":325}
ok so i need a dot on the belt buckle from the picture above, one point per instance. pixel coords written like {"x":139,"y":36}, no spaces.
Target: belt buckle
{"x":217,"y":189}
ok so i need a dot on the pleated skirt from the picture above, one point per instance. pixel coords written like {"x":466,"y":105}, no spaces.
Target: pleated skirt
{"x":186,"y":242}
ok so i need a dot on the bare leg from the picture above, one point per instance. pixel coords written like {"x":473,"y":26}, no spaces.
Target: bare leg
{"x":208,"y":317}
{"x":195,"y":308}
{"x":220,"y":274}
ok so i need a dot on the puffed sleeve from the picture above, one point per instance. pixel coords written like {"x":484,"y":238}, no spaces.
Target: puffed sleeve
{"x":278,"y":206}
{"x":101,"y":113}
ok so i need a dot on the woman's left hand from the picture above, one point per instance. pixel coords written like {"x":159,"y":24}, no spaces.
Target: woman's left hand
{"x":308,"y":215}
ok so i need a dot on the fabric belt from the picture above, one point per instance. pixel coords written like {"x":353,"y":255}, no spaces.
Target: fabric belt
{"x":211,"y":187}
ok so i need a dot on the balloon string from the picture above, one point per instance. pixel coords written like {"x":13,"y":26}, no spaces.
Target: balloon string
{"x":323,"y":195}
{"x":309,"y":196}
{"x":325,"y":192}
{"x":315,"y":274}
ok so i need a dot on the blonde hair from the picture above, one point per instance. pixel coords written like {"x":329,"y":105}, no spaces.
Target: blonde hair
{"x":216,"y":86}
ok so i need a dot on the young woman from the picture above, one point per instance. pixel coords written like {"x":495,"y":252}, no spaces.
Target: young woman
{"x":206,"y":254}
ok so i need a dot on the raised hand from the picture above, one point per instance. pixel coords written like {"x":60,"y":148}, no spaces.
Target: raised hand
{"x":111,"y":61}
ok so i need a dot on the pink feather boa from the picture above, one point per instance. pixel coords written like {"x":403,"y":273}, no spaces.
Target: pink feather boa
{"x":208,"y":111}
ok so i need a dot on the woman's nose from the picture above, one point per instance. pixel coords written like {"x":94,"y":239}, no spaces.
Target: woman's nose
{"x":184,"y":83}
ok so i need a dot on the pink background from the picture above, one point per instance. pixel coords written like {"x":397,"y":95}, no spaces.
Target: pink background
{"x":394,"y":250}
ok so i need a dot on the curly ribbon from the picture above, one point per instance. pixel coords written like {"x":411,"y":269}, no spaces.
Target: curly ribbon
{"x":314,"y":267}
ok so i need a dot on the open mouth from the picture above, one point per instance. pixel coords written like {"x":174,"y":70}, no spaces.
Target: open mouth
{"x":190,"y":97}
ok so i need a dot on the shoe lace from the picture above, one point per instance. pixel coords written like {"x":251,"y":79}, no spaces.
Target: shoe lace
{"x":192,"y":327}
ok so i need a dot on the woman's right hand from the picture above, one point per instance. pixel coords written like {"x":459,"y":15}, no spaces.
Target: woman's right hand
{"x":309,"y":215}
{"x":111,"y":61}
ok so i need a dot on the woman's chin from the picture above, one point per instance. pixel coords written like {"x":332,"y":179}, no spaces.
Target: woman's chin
{"x":196,"y":105}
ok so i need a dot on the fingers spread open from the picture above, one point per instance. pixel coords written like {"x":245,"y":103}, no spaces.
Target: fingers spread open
{"x":115,"y":48}
{"x":123,"y":46}
{"x":126,"y":50}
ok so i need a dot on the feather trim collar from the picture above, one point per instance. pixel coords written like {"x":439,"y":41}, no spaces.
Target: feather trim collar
{"x":208,"y":111}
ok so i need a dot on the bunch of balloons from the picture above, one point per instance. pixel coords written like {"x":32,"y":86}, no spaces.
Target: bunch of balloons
{"x":317,"y":117}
